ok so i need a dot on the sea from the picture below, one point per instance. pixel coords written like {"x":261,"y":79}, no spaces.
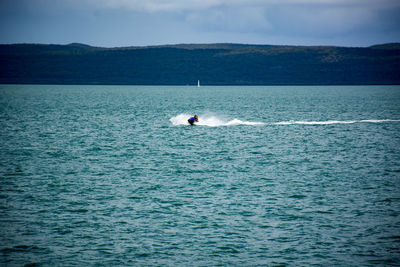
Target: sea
{"x":269,"y":176}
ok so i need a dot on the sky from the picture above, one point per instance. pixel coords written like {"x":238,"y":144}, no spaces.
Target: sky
{"x":117,"y":23}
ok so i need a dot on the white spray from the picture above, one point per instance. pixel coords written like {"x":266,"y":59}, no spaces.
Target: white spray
{"x":214,"y":121}
{"x":210,"y":120}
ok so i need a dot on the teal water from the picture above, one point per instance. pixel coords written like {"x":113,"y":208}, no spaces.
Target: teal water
{"x":270,"y":176}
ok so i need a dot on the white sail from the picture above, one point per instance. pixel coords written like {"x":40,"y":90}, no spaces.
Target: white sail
{"x":198,"y":83}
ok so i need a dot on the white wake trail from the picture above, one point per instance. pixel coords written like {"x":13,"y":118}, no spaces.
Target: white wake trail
{"x":330,"y":122}
{"x":210,"y":120}
{"x":214,"y":121}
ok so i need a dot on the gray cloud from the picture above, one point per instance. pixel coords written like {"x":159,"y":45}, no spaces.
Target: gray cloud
{"x":306,"y":16}
{"x":179,"y":5}
{"x":130,"y":22}
{"x":247,"y":19}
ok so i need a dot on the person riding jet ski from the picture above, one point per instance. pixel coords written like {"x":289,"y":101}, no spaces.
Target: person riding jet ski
{"x":193,"y":119}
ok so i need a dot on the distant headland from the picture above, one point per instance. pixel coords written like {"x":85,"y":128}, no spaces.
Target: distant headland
{"x":212,"y":64}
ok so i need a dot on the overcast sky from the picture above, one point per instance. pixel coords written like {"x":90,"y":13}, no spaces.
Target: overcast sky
{"x":114,"y":23}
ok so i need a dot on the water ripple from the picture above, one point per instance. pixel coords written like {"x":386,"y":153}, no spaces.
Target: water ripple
{"x":94,"y":175}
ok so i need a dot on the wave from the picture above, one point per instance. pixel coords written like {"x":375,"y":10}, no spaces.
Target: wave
{"x":214,"y":121}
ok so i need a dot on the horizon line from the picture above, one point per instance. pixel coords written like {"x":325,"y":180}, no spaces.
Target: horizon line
{"x":196,"y":44}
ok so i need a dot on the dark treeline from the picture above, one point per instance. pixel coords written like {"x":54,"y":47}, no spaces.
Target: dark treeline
{"x":213,"y":64}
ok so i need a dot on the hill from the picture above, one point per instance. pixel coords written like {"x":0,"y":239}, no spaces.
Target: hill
{"x":214,"y":64}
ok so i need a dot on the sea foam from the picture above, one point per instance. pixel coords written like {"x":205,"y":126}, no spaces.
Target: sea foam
{"x":330,"y":122}
{"x":210,"y":120}
{"x":215,"y":121}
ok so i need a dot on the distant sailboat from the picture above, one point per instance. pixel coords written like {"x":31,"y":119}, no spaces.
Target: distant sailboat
{"x":198,"y":83}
